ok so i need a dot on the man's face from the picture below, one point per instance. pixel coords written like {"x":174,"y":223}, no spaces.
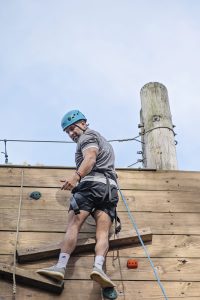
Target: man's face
{"x":75,"y":132}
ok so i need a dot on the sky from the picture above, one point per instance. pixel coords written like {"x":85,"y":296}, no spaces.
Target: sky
{"x":96,"y":56}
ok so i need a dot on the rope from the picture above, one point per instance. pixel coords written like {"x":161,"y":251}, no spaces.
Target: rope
{"x":17,"y":233}
{"x":120,"y":270}
{"x":142,"y":243}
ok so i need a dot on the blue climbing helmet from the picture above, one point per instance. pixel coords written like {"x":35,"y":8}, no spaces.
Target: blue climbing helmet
{"x":72,"y":117}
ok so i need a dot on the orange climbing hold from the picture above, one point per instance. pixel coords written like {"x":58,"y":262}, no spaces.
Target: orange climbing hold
{"x":132,"y":263}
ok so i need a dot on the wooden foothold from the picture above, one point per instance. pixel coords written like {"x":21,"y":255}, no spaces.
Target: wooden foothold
{"x":31,"y":278}
{"x":84,"y":245}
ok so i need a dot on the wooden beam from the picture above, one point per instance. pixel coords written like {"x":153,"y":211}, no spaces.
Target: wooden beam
{"x":83,"y":245}
{"x":31,"y":278}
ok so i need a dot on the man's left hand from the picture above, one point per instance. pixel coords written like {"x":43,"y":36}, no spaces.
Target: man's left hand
{"x":70,"y":183}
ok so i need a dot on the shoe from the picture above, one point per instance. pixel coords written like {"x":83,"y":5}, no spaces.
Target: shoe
{"x":53,"y":272}
{"x":100,"y":277}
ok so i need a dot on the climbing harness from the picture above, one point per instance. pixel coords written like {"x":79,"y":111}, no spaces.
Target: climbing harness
{"x":142,"y":243}
{"x":74,"y":205}
{"x":103,"y":178}
{"x":17,"y":233}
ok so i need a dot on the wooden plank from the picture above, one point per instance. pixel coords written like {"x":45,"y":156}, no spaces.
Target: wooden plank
{"x":84,"y":245}
{"x":173,"y":269}
{"x":55,"y":221}
{"x":161,"y":201}
{"x":168,"y":246}
{"x":10,"y":176}
{"x":159,"y":180}
{"x":169,"y":269}
{"x":79,"y":268}
{"x":31,"y":278}
{"x":151,"y":180}
{"x":88,"y":290}
{"x":149,"y":201}
{"x":161,"y":246}
{"x":35,"y":239}
{"x":51,"y":198}
{"x":137,"y":180}
{"x":128,"y":179}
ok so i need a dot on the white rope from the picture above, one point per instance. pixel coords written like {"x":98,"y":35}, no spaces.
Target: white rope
{"x":119,"y":263}
{"x":17,"y":233}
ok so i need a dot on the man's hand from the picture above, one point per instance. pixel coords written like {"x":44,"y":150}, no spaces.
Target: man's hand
{"x":89,"y":159}
{"x":70,"y":183}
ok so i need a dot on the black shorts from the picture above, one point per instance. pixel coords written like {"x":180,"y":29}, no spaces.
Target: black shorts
{"x":89,"y":197}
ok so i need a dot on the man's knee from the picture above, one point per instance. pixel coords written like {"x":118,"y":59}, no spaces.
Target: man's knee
{"x":77,"y":220}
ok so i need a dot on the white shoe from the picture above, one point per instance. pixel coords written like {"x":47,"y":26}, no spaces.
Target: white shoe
{"x":100,"y":277}
{"x":53,"y":272}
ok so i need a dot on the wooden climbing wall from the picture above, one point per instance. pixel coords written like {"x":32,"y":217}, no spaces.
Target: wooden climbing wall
{"x":166,"y":201}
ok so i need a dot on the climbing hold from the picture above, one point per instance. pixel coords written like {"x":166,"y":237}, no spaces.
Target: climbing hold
{"x":109,"y":293}
{"x":132,"y":263}
{"x":35,"y":195}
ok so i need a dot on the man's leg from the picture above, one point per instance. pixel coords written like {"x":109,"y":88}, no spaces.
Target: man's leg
{"x":67,"y":246}
{"x":103,"y":225}
{"x":73,"y":227}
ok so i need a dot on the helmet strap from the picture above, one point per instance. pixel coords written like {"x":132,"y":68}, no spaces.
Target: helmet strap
{"x":80,"y":127}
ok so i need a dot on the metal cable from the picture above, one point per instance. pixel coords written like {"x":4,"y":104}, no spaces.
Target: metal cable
{"x":67,"y":142}
{"x":137,"y":162}
{"x":166,"y":127}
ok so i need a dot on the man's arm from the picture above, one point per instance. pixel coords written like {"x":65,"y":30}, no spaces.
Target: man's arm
{"x":89,"y":159}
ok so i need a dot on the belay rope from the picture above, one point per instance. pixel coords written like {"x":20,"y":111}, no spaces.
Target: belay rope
{"x":142,"y":243}
{"x":17,"y":233}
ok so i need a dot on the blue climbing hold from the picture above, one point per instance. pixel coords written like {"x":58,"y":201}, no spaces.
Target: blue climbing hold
{"x":35,"y":195}
{"x":109,"y":293}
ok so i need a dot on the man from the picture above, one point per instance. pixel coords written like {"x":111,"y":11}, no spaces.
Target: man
{"x":94,"y":191}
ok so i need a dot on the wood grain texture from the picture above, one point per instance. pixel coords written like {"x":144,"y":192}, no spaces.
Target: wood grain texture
{"x":56,"y":221}
{"x":161,"y":246}
{"x":80,"y":267}
{"x":91,"y":291}
{"x":128,"y":179}
{"x":160,"y":149}
{"x":166,"y":201}
{"x":30,"y":278}
{"x":123,"y":239}
{"x":149,"y":201}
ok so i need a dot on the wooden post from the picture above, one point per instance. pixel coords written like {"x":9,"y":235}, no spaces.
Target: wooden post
{"x":159,"y":151}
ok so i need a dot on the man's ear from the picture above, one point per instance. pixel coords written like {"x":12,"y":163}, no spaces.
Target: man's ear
{"x":83,"y":123}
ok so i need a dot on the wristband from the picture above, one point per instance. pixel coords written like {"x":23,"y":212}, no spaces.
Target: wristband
{"x":79,"y":174}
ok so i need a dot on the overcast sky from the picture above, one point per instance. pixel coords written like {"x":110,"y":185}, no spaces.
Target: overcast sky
{"x":96,"y":56}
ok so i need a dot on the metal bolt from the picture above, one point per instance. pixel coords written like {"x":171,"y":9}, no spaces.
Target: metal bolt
{"x":156,"y":118}
{"x":139,"y":152}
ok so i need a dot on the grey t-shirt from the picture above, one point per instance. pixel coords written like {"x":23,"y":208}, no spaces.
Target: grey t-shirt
{"x":105,"y":158}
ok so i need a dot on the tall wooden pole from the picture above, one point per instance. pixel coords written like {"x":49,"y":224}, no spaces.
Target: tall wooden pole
{"x":159,"y":151}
